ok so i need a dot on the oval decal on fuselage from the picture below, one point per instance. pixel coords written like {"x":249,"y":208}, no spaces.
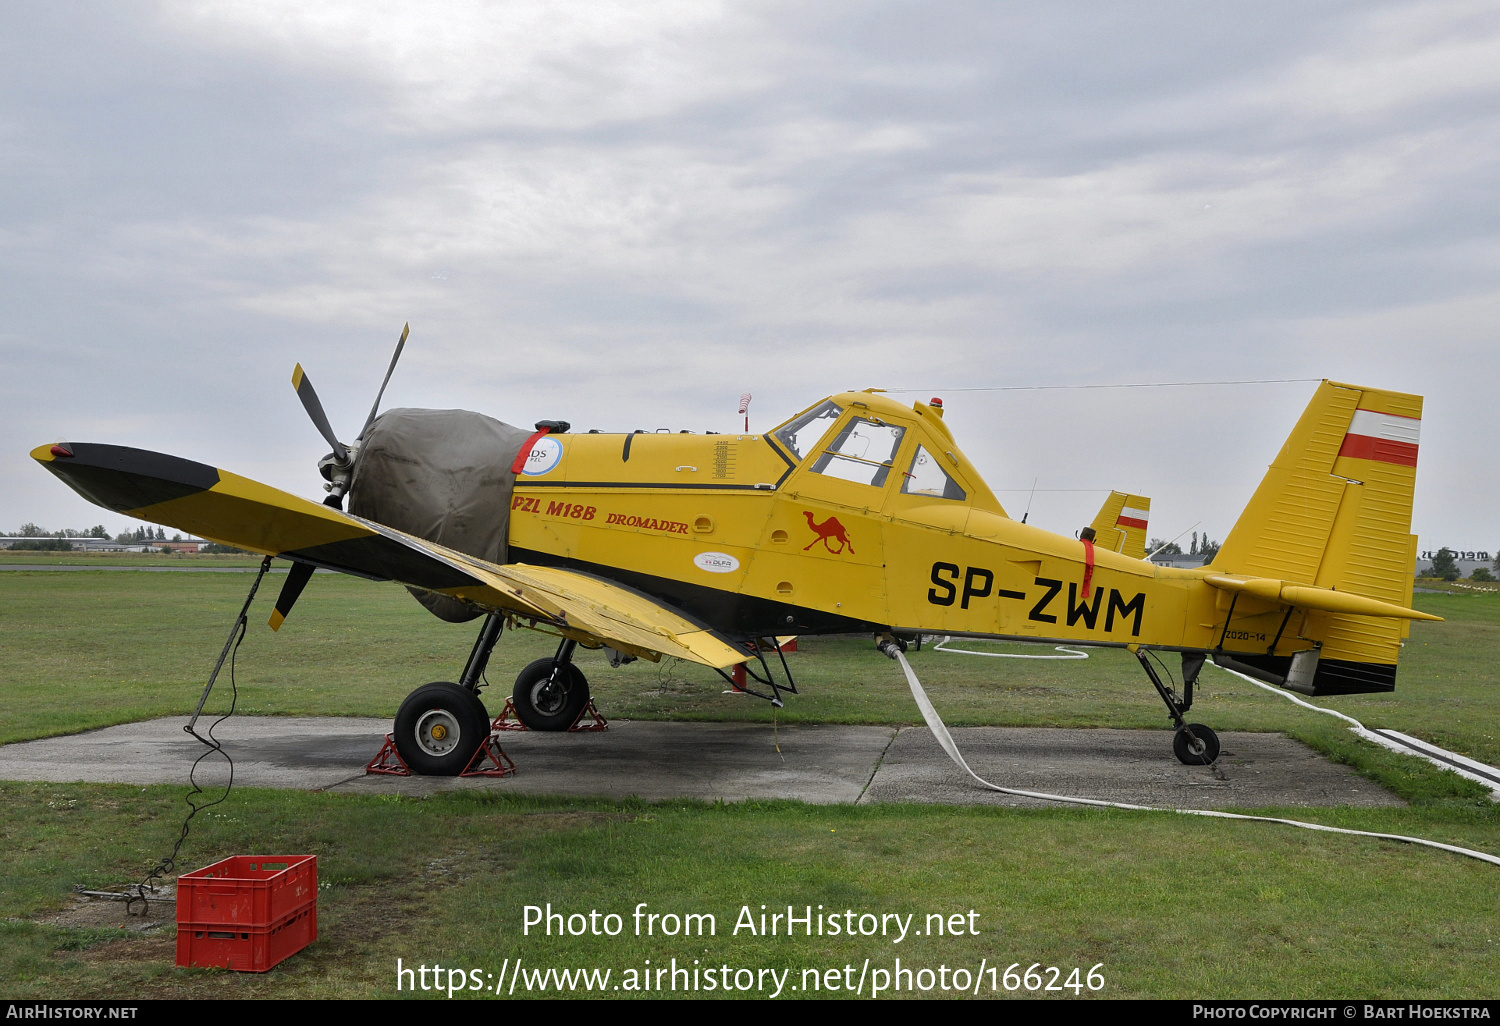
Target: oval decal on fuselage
{"x":716,"y":562}
{"x":544,"y":455}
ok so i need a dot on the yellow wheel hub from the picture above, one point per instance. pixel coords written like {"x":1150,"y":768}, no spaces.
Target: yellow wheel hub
{"x":439,"y":732}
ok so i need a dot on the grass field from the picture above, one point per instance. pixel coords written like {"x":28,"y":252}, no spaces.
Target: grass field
{"x":10,"y":558}
{"x":1171,"y":906}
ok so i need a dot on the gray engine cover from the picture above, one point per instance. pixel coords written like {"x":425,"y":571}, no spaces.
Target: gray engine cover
{"x":444,"y":476}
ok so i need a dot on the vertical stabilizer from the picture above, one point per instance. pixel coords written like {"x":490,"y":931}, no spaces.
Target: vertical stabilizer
{"x":1121,"y":524}
{"x":1334,"y":511}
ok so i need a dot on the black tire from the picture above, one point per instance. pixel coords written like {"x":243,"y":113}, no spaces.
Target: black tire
{"x":1207,"y":747}
{"x":543,"y":705}
{"x":439,"y":728}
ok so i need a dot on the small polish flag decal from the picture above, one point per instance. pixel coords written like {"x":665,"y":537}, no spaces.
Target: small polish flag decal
{"x":1383,"y":437}
{"x":1133,"y":518}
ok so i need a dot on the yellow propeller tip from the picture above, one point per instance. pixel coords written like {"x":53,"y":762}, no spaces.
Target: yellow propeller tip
{"x":277,"y":620}
{"x":297,"y":376}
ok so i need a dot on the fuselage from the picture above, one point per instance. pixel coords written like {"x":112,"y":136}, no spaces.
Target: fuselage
{"x":859,"y":514}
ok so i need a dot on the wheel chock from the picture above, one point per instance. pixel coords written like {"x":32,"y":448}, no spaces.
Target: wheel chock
{"x":388,"y":761}
{"x":490,"y":761}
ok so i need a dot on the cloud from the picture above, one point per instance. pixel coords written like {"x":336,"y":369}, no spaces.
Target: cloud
{"x":640,"y":210}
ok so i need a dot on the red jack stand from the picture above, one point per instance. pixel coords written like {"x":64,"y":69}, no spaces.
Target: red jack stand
{"x":596,"y":722}
{"x":507,"y":720}
{"x":388,"y":761}
{"x":490,"y":761}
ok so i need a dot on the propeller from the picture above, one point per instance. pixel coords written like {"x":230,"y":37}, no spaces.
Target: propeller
{"x":296,"y":580}
{"x":337,"y":467}
{"x":400,"y":344}
{"x":309,"y":396}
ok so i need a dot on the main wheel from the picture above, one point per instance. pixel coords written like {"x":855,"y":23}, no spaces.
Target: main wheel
{"x":546,"y":704}
{"x":439,"y":728}
{"x":1200,"y":752}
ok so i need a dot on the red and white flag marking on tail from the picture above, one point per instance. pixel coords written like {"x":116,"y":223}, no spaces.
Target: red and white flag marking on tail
{"x":1133,"y":518}
{"x":1384,"y":437}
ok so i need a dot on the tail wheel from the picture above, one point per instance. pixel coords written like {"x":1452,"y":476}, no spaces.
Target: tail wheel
{"x":545,"y":701}
{"x":439,"y":728}
{"x":1201,"y":749}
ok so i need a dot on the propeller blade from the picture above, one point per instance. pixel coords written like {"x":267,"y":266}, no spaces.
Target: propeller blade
{"x":309,"y":396}
{"x":389,"y":371}
{"x":296,"y":580}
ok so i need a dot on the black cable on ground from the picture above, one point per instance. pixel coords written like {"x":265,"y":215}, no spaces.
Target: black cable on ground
{"x":137,"y":893}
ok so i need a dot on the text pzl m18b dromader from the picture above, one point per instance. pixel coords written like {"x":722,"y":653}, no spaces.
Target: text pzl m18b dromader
{"x":859,"y":514}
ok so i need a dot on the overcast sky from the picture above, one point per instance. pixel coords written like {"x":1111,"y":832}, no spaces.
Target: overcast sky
{"x":625,"y":215}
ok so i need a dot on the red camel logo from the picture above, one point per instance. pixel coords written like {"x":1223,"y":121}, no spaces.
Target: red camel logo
{"x":830,"y":528}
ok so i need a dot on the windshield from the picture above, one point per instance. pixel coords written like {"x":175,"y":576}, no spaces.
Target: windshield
{"x":802,"y":435}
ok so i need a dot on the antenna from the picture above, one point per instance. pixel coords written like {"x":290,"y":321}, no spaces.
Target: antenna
{"x":1028,"y":500}
{"x":1150,"y":554}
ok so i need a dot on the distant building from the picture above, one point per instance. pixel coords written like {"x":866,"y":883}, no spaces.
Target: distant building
{"x":1179,"y":559}
{"x":1467,"y":560}
{"x":110,"y":545}
{"x":79,"y":544}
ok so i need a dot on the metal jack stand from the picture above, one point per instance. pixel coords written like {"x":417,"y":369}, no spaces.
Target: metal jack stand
{"x":508,"y":720}
{"x":489,"y":760}
{"x":388,"y":761}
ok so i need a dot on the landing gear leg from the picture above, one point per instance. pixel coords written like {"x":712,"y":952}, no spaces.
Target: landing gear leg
{"x":479,"y":656}
{"x":1194,"y":744}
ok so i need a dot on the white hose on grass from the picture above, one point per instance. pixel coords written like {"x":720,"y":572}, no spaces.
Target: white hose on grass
{"x":940,"y":731}
{"x":1072,"y":653}
{"x":1396,"y":741}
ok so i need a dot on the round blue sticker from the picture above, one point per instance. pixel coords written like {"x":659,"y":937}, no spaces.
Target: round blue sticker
{"x":545,"y":454}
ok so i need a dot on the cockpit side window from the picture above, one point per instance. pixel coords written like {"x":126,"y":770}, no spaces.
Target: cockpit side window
{"x":862,"y":452}
{"x":802,"y":435}
{"x":927,"y":477}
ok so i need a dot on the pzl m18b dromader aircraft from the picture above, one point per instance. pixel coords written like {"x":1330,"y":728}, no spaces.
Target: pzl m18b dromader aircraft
{"x":859,"y":514}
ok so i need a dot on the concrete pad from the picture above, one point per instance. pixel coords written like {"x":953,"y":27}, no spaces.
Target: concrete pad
{"x":654,"y":760}
{"x":1134,"y":766}
{"x":729,"y":761}
{"x":302,"y":752}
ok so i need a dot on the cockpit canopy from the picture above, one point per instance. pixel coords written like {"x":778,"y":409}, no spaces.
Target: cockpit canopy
{"x":864,"y":447}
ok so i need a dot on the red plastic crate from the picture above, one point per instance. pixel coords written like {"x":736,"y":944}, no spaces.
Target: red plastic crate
{"x":246,"y":949}
{"x":255,"y":891}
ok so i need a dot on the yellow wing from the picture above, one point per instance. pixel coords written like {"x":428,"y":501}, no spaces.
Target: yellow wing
{"x":234,"y":510}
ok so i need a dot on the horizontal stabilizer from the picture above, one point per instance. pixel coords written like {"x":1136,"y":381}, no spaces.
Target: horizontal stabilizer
{"x":1306,"y":597}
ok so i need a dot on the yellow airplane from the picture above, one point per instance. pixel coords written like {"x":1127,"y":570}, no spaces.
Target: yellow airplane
{"x":859,"y":514}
